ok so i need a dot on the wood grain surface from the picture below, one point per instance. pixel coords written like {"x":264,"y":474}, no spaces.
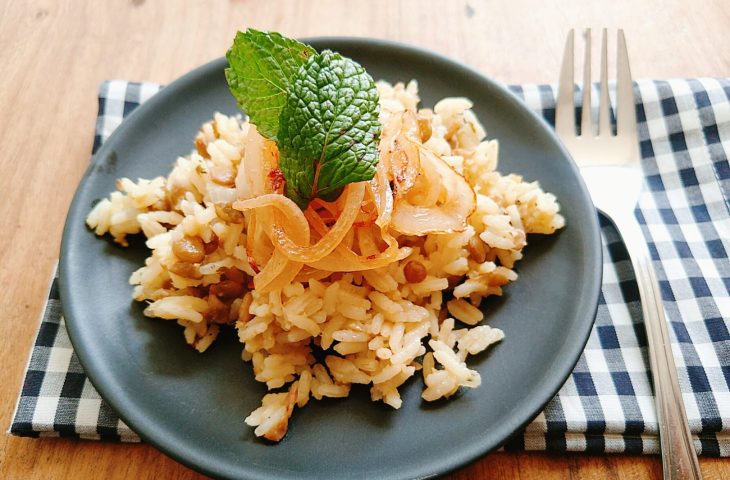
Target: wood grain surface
{"x":54,"y":54}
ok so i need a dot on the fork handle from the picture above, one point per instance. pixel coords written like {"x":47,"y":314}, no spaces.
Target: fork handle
{"x":679,"y":458}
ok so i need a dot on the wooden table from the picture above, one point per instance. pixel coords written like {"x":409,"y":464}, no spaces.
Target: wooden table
{"x":54,"y":54}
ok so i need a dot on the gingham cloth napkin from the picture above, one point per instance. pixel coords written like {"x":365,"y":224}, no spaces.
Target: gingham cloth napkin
{"x":607,"y":404}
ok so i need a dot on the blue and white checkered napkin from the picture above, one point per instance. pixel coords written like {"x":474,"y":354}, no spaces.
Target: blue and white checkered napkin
{"x":607,"y":404}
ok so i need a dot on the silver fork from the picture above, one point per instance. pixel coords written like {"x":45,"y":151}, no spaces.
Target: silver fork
{"x":611,"y":169}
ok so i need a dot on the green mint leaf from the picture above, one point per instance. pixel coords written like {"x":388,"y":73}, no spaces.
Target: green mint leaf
{"x":328,"y":129}
{"x":261,"y":66}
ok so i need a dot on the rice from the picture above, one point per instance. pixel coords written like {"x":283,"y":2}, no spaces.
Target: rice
{"x":374,"y":327}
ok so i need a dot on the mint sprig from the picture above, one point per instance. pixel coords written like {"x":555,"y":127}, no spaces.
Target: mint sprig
{"x":324,"y":114}
{"x":328,"y":129}
{"x":261,"y":66}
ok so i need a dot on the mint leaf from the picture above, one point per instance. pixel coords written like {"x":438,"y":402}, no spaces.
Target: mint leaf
{"x":328,"y":129}
{"x":261,"y":66}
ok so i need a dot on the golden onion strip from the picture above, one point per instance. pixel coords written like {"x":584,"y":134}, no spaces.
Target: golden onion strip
{"x":253,"y":163}
{"x":307,"y":254}
{"x":308,"y":273}
{"x":278,"y":272}
{"x":343,"y":259}
{"x":450,"y":216}
{"x":426,"y":190}
{"x":398,"y":151}
{"x":382,"y":196}
{"x":262,"y":158}
{"x":287,"y":216}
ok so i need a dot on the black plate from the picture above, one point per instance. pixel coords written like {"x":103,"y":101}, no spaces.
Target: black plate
{"x":192,"y":406}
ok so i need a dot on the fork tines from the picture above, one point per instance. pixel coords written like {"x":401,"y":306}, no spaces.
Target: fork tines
{"x":625,"y":117}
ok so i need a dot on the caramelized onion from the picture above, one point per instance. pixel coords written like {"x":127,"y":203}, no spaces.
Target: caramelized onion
{"x":355,"y":232}
{"x":260,"y":159}
{"x":288,"y":217}
{"x":249,"y":181}
{"x":368,"y":209}
{"x":450,"y":215}
{"x":251,"y":229}
{"x":426,"y":191}
{"x":290,"y":234}
{"x":353,"y":195}
{"x":343,"y":259}
{"x":254,"y":181}
{"x":398,"y":151}
{"x":278,"y":272}
{"x":382,"y":195}
{"x":308,"y":273}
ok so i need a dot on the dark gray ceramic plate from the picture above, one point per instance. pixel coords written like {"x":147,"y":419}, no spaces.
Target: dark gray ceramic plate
{"x":191,"y":406}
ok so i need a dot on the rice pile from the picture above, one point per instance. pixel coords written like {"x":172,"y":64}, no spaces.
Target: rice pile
{"x":376,"y":327}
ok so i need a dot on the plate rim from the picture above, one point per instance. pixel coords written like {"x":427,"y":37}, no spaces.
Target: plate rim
{"x":589,"y":302}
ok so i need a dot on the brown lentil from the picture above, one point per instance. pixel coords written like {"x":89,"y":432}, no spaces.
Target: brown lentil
{"x":217,"y":310}
{"x":425,"y":117}
{"x":454,"y":280}
{"x":211,"y":246}
{"x":227,"y":289}
{"x":189,"y":249}
{"x":234,"y":275}
{"x":185,"y":269}
{"x":228,"y":214}
{"x":415,"y":272}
